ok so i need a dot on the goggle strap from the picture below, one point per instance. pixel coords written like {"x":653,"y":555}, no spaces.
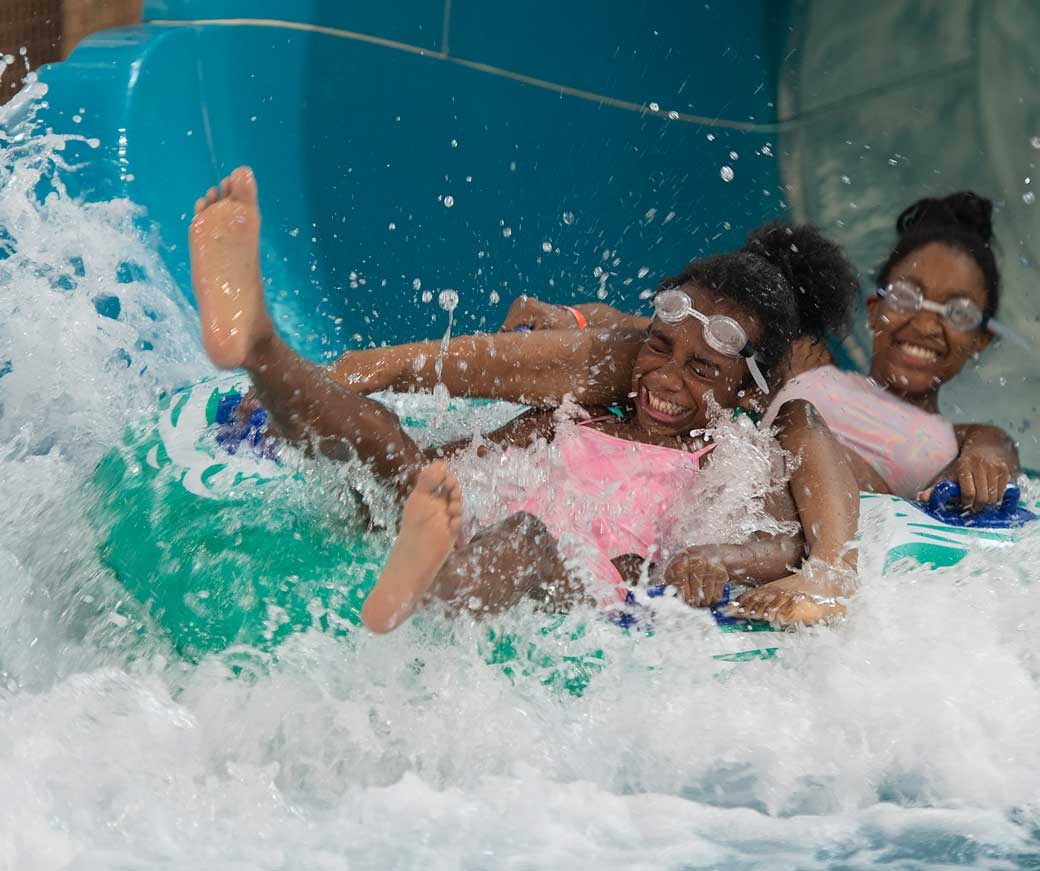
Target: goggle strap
{"x":756,"y":374}
{"x":1001,"y":331}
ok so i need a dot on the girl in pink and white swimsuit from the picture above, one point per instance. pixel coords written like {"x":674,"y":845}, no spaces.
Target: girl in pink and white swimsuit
{"x":934,"y":310}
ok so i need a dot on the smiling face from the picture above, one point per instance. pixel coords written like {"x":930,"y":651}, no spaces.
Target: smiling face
{"x":676,"y":369}
{"x":916,"y":352}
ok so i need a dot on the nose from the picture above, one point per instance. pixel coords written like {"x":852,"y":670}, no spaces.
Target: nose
{"x":928,"y":322}
{"x":669,"y":375}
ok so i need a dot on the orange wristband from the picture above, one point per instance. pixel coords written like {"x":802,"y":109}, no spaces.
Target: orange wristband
{"x":579,"y":318}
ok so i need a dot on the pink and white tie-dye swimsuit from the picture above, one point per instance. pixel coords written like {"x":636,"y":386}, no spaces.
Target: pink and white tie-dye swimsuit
{"x":906,"y":445}
{"x":607,"y":497}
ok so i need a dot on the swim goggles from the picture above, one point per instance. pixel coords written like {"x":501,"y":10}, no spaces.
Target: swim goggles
{"x":722,"y":333}
{"x":959,"y":312}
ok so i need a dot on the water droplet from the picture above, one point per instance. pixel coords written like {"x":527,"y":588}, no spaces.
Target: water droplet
{"x":1035,"y":142}
{"x":646,"y":294}
{"x":294,"y":232}
{"x":601,"y":293}
{"x":598,"y":271}
{"x":77,"y":119}
{"x":568,"y":218}
{"x":391,"y":226}
{"x":448,"y":300}
{"x":711,"y":137}
{"x":454,"y":143}
{"x":643,"y":272}
{"x":417,"y":284}
{"x":547,"y":246}
{"x":654,"y":107}
{"x":449,"y":201}
{"x":767,"y":150}
{"x":650,"y":214}
{"x":512,"y":166}
{"x":673,"y":115}
{"x":507,"y":232}
{"x":726,"y":173}
{"x":846,"y":180}
{"x":1029,"y":198}
{"x":494,"y":298}
{"x":668,"y":217}
{"x":734,"y":156}
{"x":427,"y":295}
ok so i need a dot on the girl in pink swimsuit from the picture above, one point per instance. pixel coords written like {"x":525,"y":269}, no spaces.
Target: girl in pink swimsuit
{"x":719,"y":323}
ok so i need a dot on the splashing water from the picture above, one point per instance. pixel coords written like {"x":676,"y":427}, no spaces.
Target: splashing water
{"x":903,"y":738}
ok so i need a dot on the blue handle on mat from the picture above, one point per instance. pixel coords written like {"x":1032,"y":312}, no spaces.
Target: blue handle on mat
{"x":944,"y":505}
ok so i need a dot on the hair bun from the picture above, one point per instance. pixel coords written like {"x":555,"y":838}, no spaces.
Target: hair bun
{"x":965,"y":209}
{"x":822,"y":279}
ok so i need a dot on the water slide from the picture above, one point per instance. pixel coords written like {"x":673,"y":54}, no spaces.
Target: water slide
{"x":569,"y":151}
{"x":905,"y":737}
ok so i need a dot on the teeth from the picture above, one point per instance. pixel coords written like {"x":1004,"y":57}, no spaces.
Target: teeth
{"x":663,"y":405}
{"x":926,"y":354}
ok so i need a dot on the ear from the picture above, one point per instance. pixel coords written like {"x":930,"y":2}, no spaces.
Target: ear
{"x":982,"y":340}
{"x":873,"y":312}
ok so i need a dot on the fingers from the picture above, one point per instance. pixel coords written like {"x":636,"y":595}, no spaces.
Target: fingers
{"x":982,"y":483}
{"x":517,"y":316}
{"x":1001,"y":480}
{"x":761,"y":604}
{"x":925,"y":495}
{"x":966,"y":479}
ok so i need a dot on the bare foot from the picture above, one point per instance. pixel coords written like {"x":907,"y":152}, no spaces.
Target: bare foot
{"x":805,"y":597}
{"x":225,"y":270}
{"x":430,"y":525}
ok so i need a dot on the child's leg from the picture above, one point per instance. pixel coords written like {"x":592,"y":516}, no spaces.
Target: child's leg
{"x":505,"y":564}
{"x":304,"y":403}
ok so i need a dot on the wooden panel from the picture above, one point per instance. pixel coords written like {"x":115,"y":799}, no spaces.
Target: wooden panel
{"x":33,"y":25}
{"x":83,"y":17}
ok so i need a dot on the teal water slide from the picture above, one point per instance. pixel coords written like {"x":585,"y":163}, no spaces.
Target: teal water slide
{"x":571,"y":151}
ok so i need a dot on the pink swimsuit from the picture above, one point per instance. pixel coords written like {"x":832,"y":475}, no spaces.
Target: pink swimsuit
{"x":607,"y":497}
{"x":907,"y":446}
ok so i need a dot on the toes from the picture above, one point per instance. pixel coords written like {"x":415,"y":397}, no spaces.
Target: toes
{"x":243,"y":186}
{"x":212,"y":195}
{"x":200,"y":204}
{"x":431,"y":477}
{"x":225,"y":188}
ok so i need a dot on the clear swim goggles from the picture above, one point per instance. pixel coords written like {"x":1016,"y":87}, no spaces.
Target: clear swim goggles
{"x":959,"y":312}
{"x":722,"y":333}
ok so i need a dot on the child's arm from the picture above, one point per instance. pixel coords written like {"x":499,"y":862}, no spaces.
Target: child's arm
{"x":536,"y":368}
{"x":526,"y":311}
{"x":700,"y":573}
{"x":986,"y":462}
{"x":826,"y":493}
